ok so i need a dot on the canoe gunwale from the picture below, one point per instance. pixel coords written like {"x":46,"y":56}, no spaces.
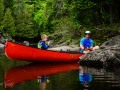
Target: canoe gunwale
{"x":42,"y":49}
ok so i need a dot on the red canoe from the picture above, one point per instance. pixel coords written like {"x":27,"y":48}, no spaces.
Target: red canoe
{"x":24,"y":53}
{"x":21,"y":74}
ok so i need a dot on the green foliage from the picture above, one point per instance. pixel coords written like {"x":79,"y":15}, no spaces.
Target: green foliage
{"x":31,"y":18}
{"x":1,"y":9}
{"x":8,"y":4}
{"x":24,"y":22}
{"x":43,"y":15}
{"x":1,"y":14}
{"x":80,"y":12}
{"x":9,"y":23}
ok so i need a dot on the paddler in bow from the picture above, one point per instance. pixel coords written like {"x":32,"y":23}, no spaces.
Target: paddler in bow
{"x":42,"y":44}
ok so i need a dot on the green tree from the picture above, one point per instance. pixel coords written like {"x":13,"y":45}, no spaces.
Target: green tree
{"x":8,"y":4}
{"x":81,"y":12}
{"x":9,"y":23}
{"x":24,"y":20}
{"x":33,"y":17}
{"x":1,"y":14}
{"x":41,"y":16}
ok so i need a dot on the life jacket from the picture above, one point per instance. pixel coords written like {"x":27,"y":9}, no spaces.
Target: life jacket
{"x":39,"y":45}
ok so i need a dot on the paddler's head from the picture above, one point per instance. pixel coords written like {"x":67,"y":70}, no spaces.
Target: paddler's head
{"x":44,"y":37}
{"x":86,"y":84}
{"x":87,"y":34}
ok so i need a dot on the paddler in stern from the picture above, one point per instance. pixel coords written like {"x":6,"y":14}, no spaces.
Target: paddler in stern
{"x":87,"y":44}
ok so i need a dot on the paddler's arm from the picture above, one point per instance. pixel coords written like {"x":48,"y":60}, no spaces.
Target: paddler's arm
{"x":81,"y":44}
{"x":82,"y":47}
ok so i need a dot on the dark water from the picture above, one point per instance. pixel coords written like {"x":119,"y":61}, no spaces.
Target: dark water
{"x":16,"y":75}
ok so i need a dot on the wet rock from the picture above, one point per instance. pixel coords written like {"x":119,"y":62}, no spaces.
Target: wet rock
{"x":9,"y":38}
{"x":1,"y":45}
{"x":2,"y":40}
{"x":26,"y":43}
{"x":113,"y":42}
{"x":108,"y":54}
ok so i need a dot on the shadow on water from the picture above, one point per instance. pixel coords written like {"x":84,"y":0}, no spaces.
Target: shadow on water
{"x":15,"y":75}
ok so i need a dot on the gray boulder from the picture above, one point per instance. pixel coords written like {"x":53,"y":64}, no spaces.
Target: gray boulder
{"x":2,"y":40}
{"x":26,"y":43}
{"x":108,"y":54}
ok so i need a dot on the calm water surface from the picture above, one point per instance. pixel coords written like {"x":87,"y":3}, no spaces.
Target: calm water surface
{"x":16,"y":75}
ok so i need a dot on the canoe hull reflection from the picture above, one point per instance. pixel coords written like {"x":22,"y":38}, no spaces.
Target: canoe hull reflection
{"x":24,"y":53}
{"x":31,"y":72}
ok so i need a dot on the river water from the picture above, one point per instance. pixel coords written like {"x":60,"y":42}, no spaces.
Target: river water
{"x":17,"y":75}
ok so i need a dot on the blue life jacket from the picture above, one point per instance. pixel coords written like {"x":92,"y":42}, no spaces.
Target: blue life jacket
{"x":43,"y":45}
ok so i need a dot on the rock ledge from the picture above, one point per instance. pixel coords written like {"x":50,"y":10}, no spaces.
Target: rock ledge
{"x":108,"y":54}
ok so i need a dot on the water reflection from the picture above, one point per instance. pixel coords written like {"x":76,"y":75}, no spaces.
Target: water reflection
{"x":21,"y":74}
{"x":43,"y":80}
{"x":102,"y":78}
{"x":85,"y":77}
{"x":55,"y":76}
